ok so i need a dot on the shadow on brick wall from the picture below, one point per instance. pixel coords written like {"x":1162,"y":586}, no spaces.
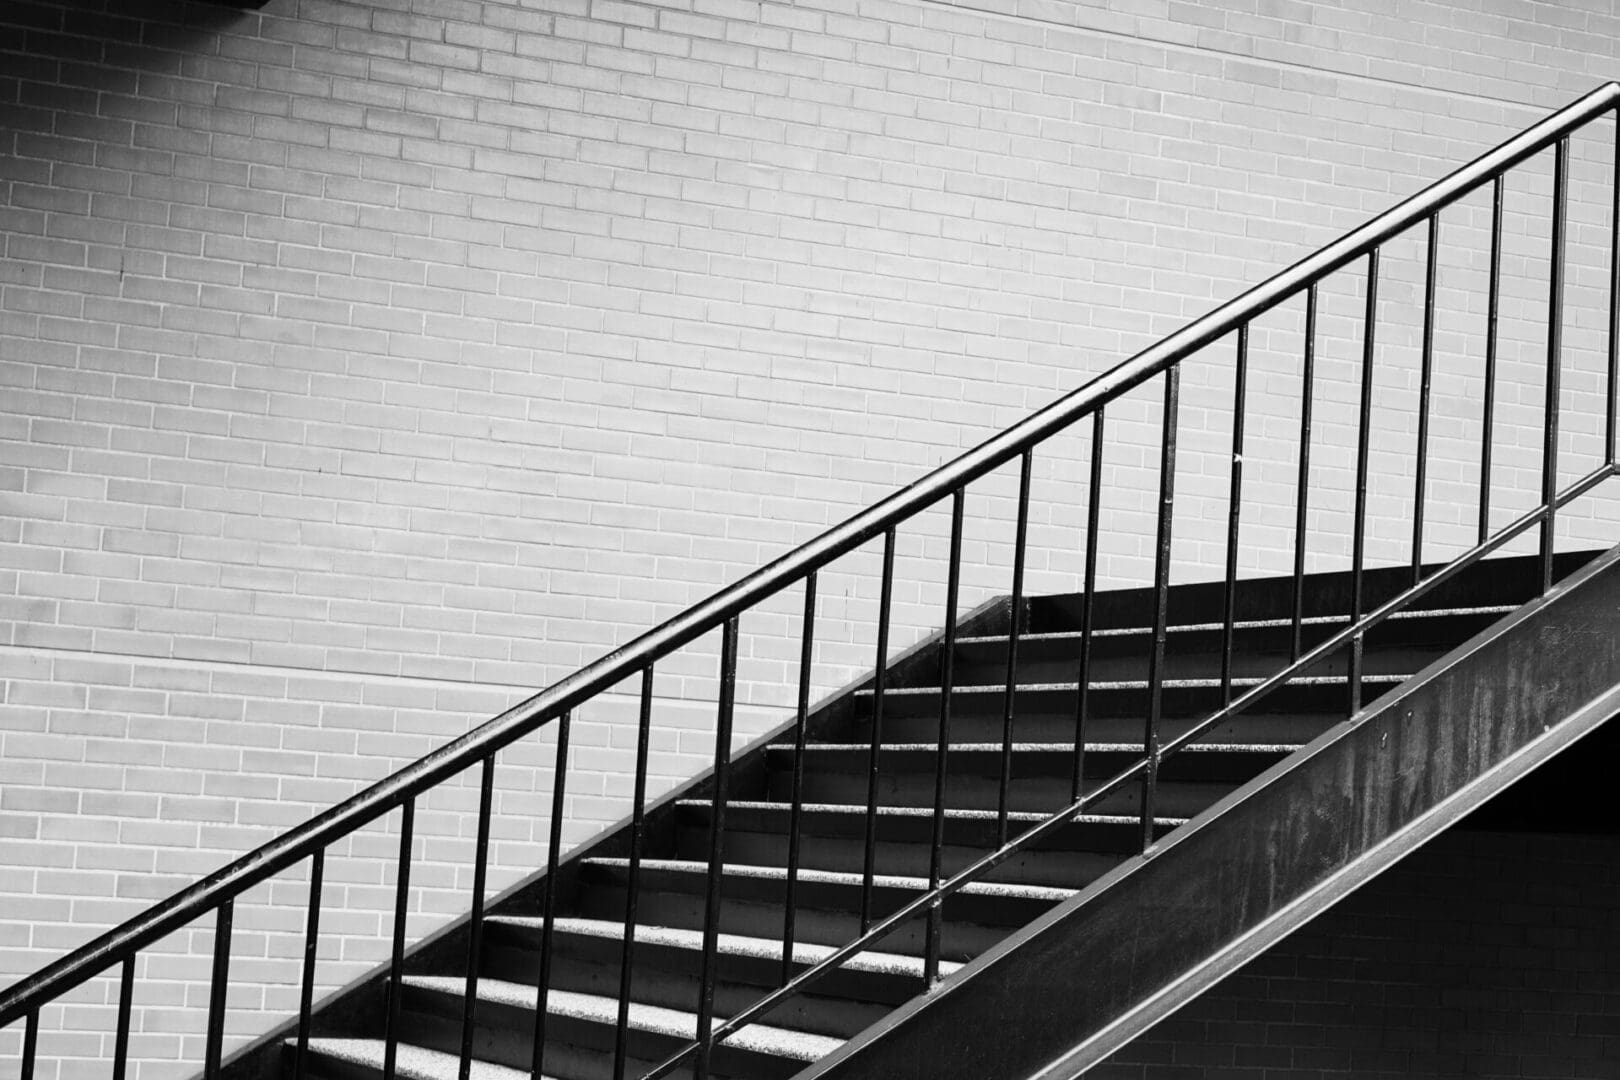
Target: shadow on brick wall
{"x":76,"y":71}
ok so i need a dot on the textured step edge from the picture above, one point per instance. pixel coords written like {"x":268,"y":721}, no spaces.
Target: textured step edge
{"x":653,"y":1019}
{"x":1138,"y":684}
{"x":410,"y":1062}
{"x":877,"y":963}
{"x":951,"y":813}
{"x":1241,"y":624}
{"x":839,"y":877}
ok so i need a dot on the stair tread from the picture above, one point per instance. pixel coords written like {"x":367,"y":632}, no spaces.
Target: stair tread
{"x":656,"y":1019}
{"x":1052,"y":747}
{"x":411,"y":1062}
{"x":1241,"y":624}
{"x":730,"y":944}
{"x":841,"y":877}
{"x":1134,"y":684}
{"x":951,"y":813}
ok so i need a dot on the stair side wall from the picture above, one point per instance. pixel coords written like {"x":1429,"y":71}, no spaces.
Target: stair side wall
{"x":1485,"y":954}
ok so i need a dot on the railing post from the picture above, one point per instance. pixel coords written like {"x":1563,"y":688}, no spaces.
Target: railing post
{"x":638,"y":837}
{"x":1492,"y":302}
{"x":947,"y":683}
{"x":880,"y":675}
{"x":1358,"y":541}
{"x":1234,"y":508}
{"x":126,"y":997}
{"x":548,"y":916}
{"x":1555,"y":340}
{"x":475,"y":922}
{"x":1614,"y":301}
{"x":1087,"y":608}
{"x":312,"y":941}
{"x":396,"y":962}
{"x":1302,"y":491}
{"x":1420,"y":482}
{"x":30,"y":1046}
{"x":796,"y":813}
{"x":1014,"y":617}
{"x":711,"y":907}
{"x":1161,"y":600}
{"x":218,"y":984}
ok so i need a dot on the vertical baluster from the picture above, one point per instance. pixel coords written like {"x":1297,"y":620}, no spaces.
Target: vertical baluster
{"x":879,"y":682}
{"x":1555,"y":339}
{"x":396,"y":962}
{"x":475,"y":922}
{"x":1302,"y":492}
{"x":1161,"y":600}
{"x":632,"y":892}
{"x":548,"y":902}
{"x":126,"y":997}
{"x":1420,"y":483}
{"x":711,"y":908}
{"x":1358,"y":540}
{"x":1083,"y":690}
{"x":795,"y":815}
{"x":30,"y":1046}
{"x":312,"y":938}
{"x":947,"y":682}
{"x":1234,"y":507}
{"x":1614,"y":301}
{"x":1014,"y":618}
{"x":218,"y":982}
{"x":1494,"y":289}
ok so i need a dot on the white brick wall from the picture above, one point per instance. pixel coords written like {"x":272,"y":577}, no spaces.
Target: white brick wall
{"x":362,"y":371}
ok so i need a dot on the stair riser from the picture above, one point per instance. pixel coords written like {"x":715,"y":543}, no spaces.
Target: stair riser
{"x":1290,"y":728}
{"x":670,"y":978}
{"x":320,"y":1067}
{"x":1192,"y":703}
{"x":575,"y":1049}
{"x":848,"y":825}
{"x":1058,"y":661}
{"x":1026,"y":765}
{"x":1502,"y":582}
{"x":973,"y":924}
{"x":1063,"y":869}
{"x":1042,"y":794}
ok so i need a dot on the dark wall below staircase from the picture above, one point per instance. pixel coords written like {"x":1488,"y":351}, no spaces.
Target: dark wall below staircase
{"x":1488,"y":954}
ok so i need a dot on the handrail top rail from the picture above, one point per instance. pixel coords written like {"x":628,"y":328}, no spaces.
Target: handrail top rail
{"x":491,"y":736}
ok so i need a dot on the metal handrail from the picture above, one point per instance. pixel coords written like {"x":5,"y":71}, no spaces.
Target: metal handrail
{"x":216,"y":892}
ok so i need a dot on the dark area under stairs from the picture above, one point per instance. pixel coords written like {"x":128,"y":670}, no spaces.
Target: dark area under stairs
{"x":583,"y":1007}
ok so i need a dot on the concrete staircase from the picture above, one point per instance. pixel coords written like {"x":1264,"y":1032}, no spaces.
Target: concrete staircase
{"x":583,"y":1007}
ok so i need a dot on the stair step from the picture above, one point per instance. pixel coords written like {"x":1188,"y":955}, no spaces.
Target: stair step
{"x":1239,"y":685}
{"x":1185,"y":698}
{"x":588,"y":957}
{"x":599,"y":1009}
{"x":1508,"y":581}
{"x":982,"y":761}
{"x":832,"y":837}
{"x":775,"y":874}
{"x":1331,"y":622}
{"x":917,"y":721}
{"x":758,"y":948}
{"x":672,"y":892}
{"x":365,"y":1057}
{"x":1260,"y":648}
{"x":848,"y":819}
